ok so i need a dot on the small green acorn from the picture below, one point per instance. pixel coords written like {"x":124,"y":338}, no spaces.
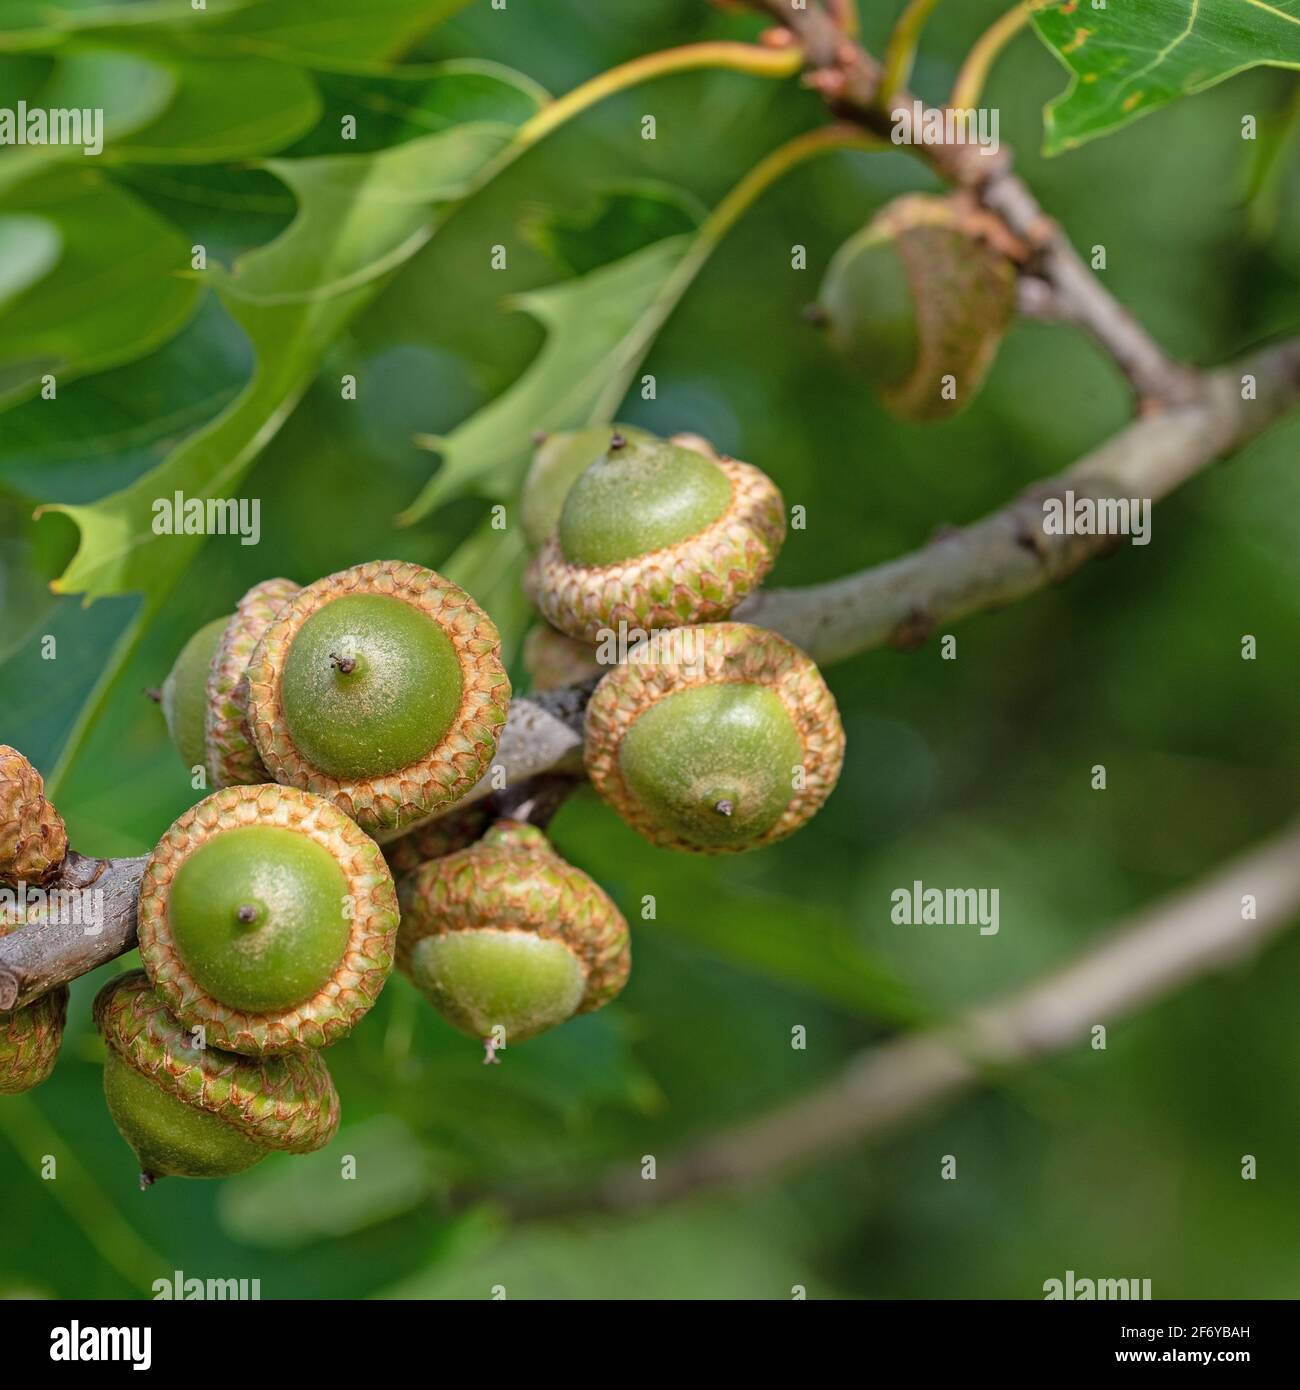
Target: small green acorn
{"x":731,"y":745}
{"x":184,"y":697}
{"x":380,"y":687}
{"x":656,"y":535}
{"x":232,"y":754}
{"x":267,"y":918}
{"x":918,"y":301}
{"x":506,"y":935}
{"x":199,"y":1112}
{"x":205,"y":696}
{"x":558,"y":461}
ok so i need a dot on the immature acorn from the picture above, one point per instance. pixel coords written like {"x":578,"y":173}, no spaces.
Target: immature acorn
{"x":205,"y":696}
{"x":507,"y":935}
{"x":199,"y":1112}
{"x":923,"y":292}
{"x":730,"y":744}
{"x":30,"y":1037}
{"x":558,"y":461}
{"x":33,"y":842}
{"x":380,"y":687}
{"x":267,"y":918}
{"x":656,"y":535}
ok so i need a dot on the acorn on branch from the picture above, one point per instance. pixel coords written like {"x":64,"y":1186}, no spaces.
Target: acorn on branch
{"x":267,"y":918}
{"x":380,"y":687}
{"x":918,"y":301}
{"x":507,"y":940}
{"x":193,"y":1111}
{"x":33,"y":842}
{"x":731,"y":743}
{"x":656,"y":535}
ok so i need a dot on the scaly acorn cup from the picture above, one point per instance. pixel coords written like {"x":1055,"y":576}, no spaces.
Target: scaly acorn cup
{"x":508,"y":935}
{"x":733,"y":746}
{"x":552,"y":659}
{"x":33,"y":842}
{"x":267,"y":918}
{"x":231,"y":752}
{"x":924,"y":292}
{"x":457,"y":829}
{"x":184,"y":696}
{"x":655,"y":535}
{"x":199,"y":1112}
{"x":30,"y":1037}
{"x":380,"y":687}
{"x":558,"y":461}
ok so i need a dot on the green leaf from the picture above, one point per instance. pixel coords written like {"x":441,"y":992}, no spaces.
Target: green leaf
{"x":113,"y":295}
{"x":1129,"y":59}
{"x":359,"y":218}
{"x":29,"y":246}
{"x":224,"y":109}
{"x":129,"y":89}
{"x":618,"y":222}
{"x":337,"y":34}
{"x":598,"y":329}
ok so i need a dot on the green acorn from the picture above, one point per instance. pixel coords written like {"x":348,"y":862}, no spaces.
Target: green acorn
{"x":507,"y":935}
{"x":919,"y":295}
{"x":205,"y":696}
{"x":656,"y":535}
{"x":184,"y":698}
{"x":232,"y":754}
{"x":380,"y":687}
{"x":194,"y":1112}
{"x":558,"y":461}
{"x":733,"y":744}
{"x":268,"y":919}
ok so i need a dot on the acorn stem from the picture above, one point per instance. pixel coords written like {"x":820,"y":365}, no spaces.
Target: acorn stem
{"x":344,"y":665}
{"x":490,"y":1057}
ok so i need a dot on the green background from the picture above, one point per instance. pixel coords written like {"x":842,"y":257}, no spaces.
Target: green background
{"x":974,"y":772}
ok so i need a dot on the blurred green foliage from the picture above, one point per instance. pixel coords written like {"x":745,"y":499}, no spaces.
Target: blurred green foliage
{"x":969,"y":772}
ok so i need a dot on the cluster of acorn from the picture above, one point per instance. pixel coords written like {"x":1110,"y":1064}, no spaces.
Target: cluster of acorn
{"x":341,"y":723}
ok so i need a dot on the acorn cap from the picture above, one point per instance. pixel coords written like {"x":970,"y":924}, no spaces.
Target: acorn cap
{"x":287,"y":1103}
{"x":184,"y":695}
{"x":30,"y":1037}
{"x":558,"y":461}
{"x":728,"y":657}
{"x":406,"y":639}
{"x":457,"y":829}
{"x":711,"y":528}
{"x":33,"y":842}
{"x":231,"y":752}
{"x":365,"y":943}
{"x":925,"y":290}
{"x":513,"y":881}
